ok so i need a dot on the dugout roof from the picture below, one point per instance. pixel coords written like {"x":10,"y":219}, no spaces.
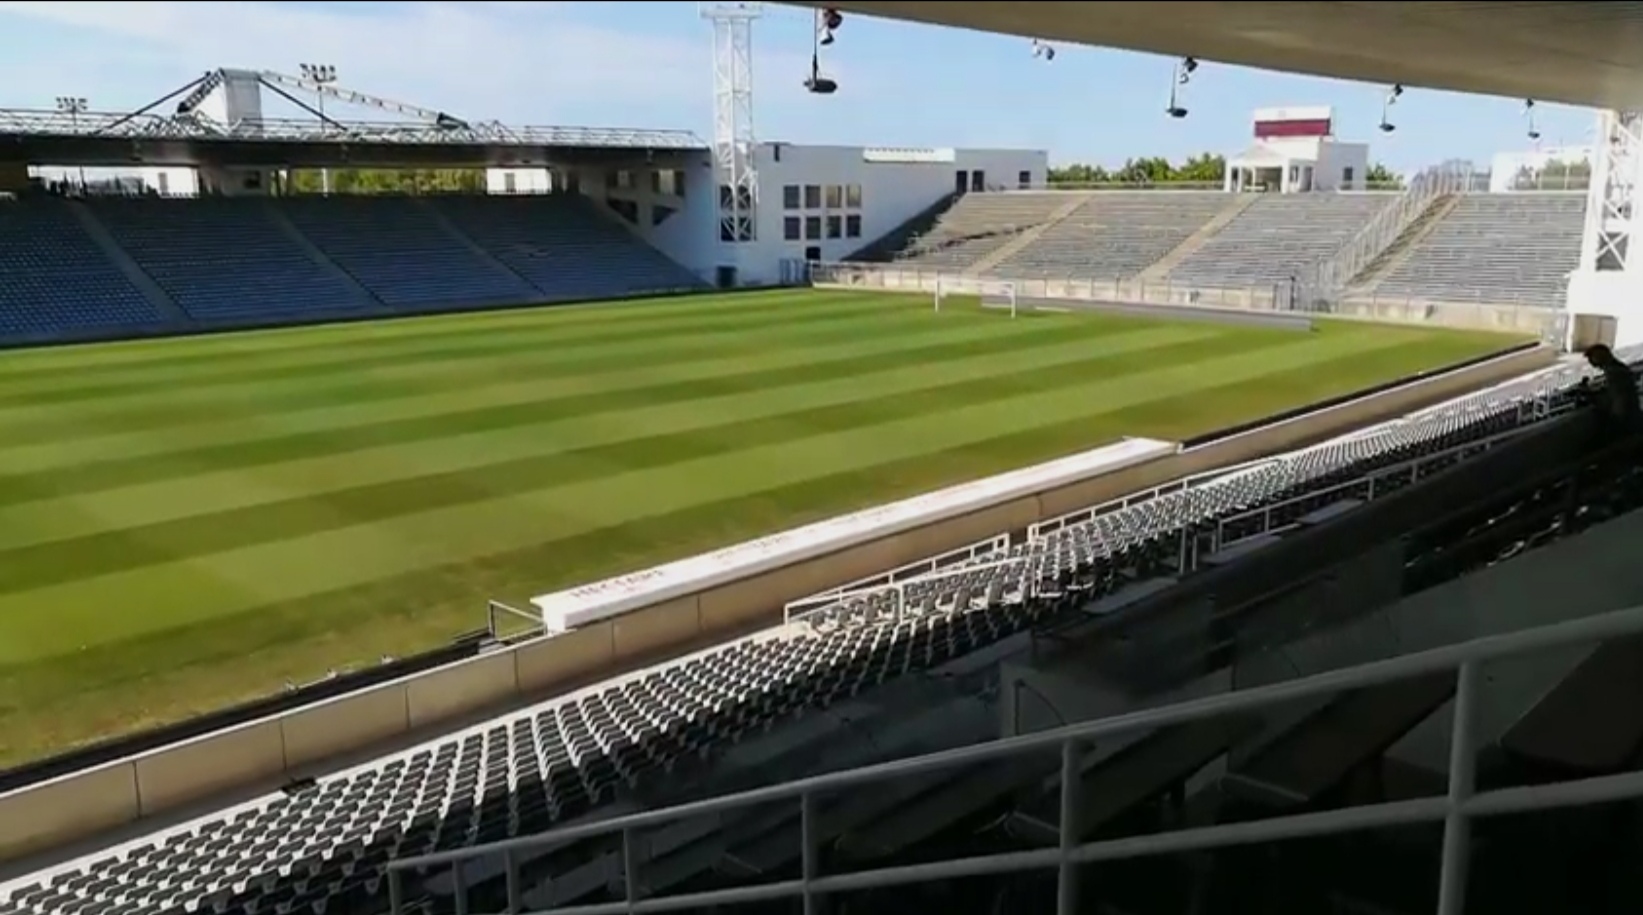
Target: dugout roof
{"x":1583,"y":53}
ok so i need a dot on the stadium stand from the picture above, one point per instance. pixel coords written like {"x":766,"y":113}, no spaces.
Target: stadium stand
{"x":59,"y":283}
{"x":1278,"y":237}
{"x":181,"y":244}
{"x":401,"y":253}
{"x":1495,"y":248}
{"x":321,"y":846}
{"x":1116,"y":235}
{"x":563,"y":247}
{"x":128,"y":266}
{"x":979,"y":225}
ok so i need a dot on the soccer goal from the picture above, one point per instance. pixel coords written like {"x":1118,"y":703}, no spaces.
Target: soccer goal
{"x":993,"y":293}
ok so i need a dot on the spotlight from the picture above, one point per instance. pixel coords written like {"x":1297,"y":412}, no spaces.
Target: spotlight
{"x":1043,"y":50}
{"x":1529,"y":114}
{"x":821,"y":85}
{"x":828,"y":21}
{"x":1183,"y":75}
{"x":1391,"y":99}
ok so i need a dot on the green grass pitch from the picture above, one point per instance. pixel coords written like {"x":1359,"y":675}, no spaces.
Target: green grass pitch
{"x":187,"y":523}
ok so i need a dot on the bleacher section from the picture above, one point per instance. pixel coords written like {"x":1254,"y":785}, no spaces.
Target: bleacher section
{"x":1495,"y":249}
{"x":55,"y":282}
{"x":564,"y":248}
{"x":1278,"y":237}
{"x":225,"y":261}
{"x":321,"y":846}
{"x":397,"y":249}
{"x":111,"y":267}
{"x":980,"y":224}
{"x":1116,"y":235}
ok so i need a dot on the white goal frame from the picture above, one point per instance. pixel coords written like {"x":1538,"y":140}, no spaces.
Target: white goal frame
{"x":986,"y":289}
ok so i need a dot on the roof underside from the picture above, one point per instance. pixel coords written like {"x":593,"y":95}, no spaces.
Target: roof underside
{"x":1583,"y":53}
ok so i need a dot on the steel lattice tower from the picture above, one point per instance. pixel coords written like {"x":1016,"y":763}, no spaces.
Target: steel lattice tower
{"x":1609,"y":280}
{"x":733,"y":137}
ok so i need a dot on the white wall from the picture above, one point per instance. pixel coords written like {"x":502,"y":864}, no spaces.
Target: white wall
{"x":1504,"y":167}
{"x":670,"y":196}
{"x":518,"y":181}
{"x":1334,"y":159}
{"x":871,"y":190}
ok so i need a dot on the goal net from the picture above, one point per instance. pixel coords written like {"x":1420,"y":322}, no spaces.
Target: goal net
{"x":998,"y":294}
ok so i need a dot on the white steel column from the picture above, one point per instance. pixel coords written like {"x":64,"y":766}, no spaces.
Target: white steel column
{"x":1609,"y":281}
{"x":733,"y":135}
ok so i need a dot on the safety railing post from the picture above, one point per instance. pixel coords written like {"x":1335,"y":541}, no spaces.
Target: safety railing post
{"x":396,"y":891}
{"x":1457,"y":834}
{"x":515,"y":890}
{"x":459,"y":888}
{"x":630,"y":868}
{"x":1072,"y":778}
{"x":807,"y":852}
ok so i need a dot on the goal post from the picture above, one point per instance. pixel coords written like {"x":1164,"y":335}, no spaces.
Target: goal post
{"x":993,"y":293}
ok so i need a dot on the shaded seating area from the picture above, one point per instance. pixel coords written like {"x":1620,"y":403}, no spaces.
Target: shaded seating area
{"x":58,"y":283}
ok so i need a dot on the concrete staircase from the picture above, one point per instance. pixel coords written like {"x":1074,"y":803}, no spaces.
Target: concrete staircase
{"x":135,"y":275}
{"x":1162,"y":267}
{"x":1020,"y":242}
{"x":1402,"y":246}
{"x":461,"y":238}
{"x":290,"y":230}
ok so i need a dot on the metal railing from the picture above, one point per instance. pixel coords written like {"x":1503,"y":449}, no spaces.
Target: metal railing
{"x":1455,"y":810}
{"x":1329,"y":278}
{"x":1489,"y":313}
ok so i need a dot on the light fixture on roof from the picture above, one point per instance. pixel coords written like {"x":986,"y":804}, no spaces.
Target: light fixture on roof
{"x":1529,"y":115}
{"x":1386,"y":108}
{"x":1182,"y":75}
{"x":1043,"y":51}
{"x":828,"y":21}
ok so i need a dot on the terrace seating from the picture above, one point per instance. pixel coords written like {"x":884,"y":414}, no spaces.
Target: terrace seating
{"x":57,"y":283}
{"x":224,"y":261}
{"x":321,"y":848}
{"x":1501,"y":249}
{"x":1278,"y":237}
{"x":1116,"y":235}
{"x":398,"y":249}
{"x":979,"y":225}
{"x":565,"y":249}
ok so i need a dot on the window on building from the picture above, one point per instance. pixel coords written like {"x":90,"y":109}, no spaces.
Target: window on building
{"x":1346,"y":176}
{"x":812,"y":227}
{"x":835,"y":226}
{"x":978,"y":180}
{"x":790,"y":229}
{"x":790,"y":197}
{"x":510,"y":183}
{"x":852,"y":196}
{"x":1024,"y":180}
{"x":812,"y":196}
{"x":852,"y":226}
{"x":835,"y":197}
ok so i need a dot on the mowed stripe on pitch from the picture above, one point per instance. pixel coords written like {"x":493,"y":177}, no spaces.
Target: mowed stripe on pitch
{"x":82,"y":441}
{"x":192,"y":589}
{"x":653,"y":424}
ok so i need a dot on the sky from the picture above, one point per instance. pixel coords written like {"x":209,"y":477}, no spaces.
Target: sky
{"x":649,"y":64}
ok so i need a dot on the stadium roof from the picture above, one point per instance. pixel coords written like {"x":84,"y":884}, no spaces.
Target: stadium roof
{"x":1584,"y":53}
{"x":189,"y":135}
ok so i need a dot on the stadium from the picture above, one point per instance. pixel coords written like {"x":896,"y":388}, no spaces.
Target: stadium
{"x":401,"y":511}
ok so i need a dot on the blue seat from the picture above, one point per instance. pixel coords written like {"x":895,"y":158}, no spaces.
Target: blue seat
{"x":58,"y":283}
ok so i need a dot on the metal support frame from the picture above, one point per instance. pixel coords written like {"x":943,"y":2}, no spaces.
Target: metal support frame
{"x":1608,"y":280}
{"x":1455,"y":810}
{"x":733,"y":135}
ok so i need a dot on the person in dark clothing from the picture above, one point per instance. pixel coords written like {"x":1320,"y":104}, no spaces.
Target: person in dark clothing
{"x":1618,"y":396}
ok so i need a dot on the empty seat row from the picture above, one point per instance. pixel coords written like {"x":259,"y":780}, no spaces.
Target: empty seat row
{"x":1117,"y":235}
{"x":322,"y":848}
{"x":1280,"y":236}
{"x":979,"y":225}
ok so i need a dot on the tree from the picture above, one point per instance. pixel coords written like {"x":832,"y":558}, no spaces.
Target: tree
{"x":1205,"y":168}
{"x":388,"y":181}
{"x":1556,"y":175}
{"x":1379,"y":176}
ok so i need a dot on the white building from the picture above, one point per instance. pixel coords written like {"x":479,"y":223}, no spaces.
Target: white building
{"x":1295,"y":150}
{"x":815,"y":203}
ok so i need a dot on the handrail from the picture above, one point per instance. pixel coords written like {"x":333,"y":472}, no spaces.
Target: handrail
{"x":1330,"y":277}
{"x":1454,"y":810}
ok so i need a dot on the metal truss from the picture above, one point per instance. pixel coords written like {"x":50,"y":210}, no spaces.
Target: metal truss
{"x":28,"y":123}
{"x":1617,"y":176}
{"x":733,"y":135}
